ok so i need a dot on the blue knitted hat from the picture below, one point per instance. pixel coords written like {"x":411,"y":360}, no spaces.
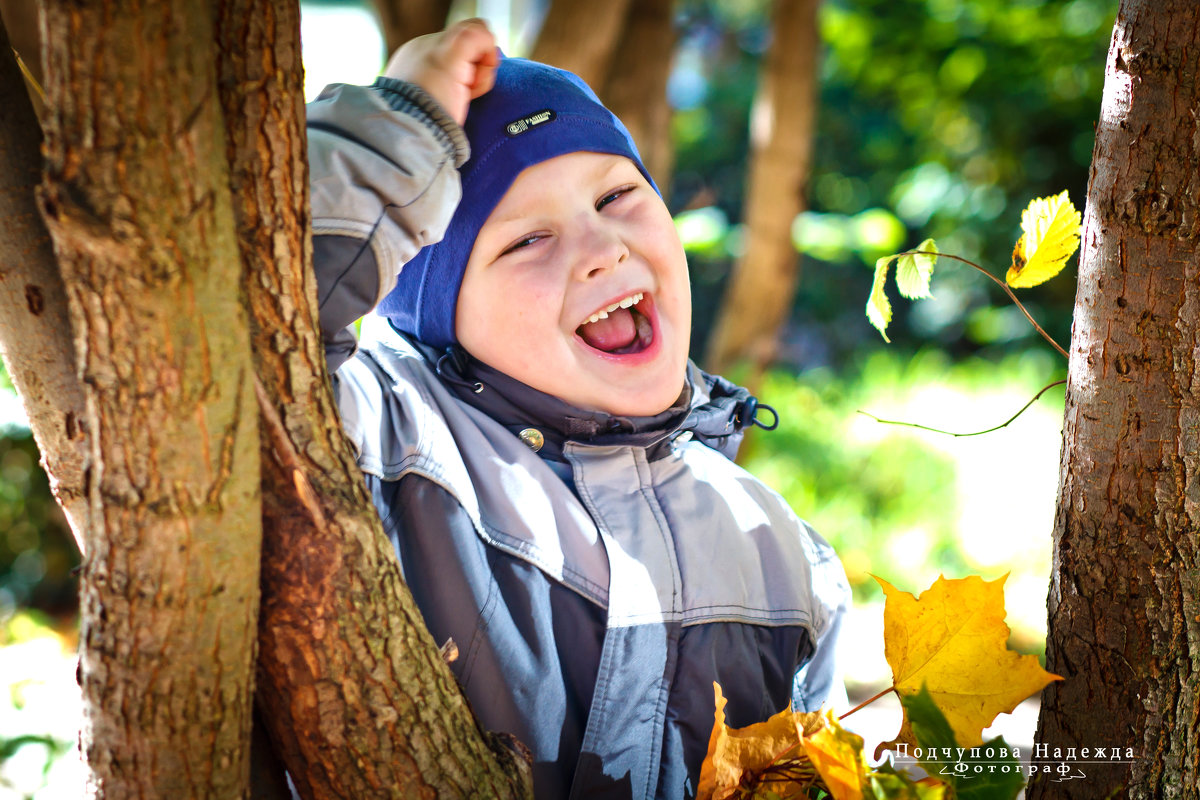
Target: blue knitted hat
{"x":534,"y":113}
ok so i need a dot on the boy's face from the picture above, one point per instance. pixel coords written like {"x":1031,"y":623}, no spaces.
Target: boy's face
{"x":574,"y":237}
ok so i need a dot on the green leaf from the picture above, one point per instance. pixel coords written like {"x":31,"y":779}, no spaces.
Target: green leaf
{"x":974,"y":774}
{"x":914,"y":270}
{"x":887,"y":785}
{"x":929,"y":724}
{"x":879,"y":310}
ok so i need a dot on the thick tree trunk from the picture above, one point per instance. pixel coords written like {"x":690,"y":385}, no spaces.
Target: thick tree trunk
{"x":136,"y":198}
{"x":582,"y":36}
{"x":401,"y":20}
{"x":636,"y":85}
{"x":35,"y":332}
{"x":1125,"y":594}
{"x":353,"y":689}
{"x":783,"y":120}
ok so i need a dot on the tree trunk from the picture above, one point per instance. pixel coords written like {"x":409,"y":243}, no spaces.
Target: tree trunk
{"x":354,"y":691}
{"x":783,"y":119}
{"x":401,"y":20}
{"x":1124,"y":605}
{"x":35,"y":332}
{"x":636,"y":85}
{"x":581,"y":36}
{"x":136,"y":196}
{"x":136,"y":199}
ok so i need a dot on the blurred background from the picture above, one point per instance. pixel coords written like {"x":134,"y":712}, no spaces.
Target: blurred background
{"x":933,"y":118}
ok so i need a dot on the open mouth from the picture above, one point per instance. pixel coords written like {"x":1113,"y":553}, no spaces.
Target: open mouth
{"x":621,"y":328}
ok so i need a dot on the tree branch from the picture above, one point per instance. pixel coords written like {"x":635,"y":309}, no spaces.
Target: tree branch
{"x":1033,"y":400}
{"x":354,"y":689}
{"x":1003,"y":285}
{"x":35,"y":330}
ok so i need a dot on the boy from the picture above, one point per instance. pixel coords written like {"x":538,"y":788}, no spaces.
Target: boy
{"x":554,"y":473}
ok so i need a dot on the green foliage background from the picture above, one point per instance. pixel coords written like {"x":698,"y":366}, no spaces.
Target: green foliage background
{"x":937,"y":118}
{"x":37,"y":553}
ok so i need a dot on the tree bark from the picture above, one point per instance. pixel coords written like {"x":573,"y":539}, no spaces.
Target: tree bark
{"x":1124,"y":604}
{"x":136,"y":199}
{"x":581,"y":36}
{"x":401,"y":20}
{"x":354,"y":692}
{"x":636,"y":85}
{"x":783,"y":120}
{"x":35,"y":331}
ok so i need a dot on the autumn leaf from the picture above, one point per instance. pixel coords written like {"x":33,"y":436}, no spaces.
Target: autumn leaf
{"x":739,"y":756}
{"x":837,"y":755}
{"x":1050,"y":236}
{"x":953,"y":641}
{"x":913,"y":272}
{"x":879,"y":310}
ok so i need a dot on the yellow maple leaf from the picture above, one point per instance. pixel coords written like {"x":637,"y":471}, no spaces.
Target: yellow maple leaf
{"x":1050,"y":236}
{"x":837,"y":755}
{"x":953,"y":639}
{"x":737,"y":755}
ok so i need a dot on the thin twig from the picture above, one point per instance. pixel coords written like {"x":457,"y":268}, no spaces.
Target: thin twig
{"x":29,"y":75}
{"x":866,"y":702}
{"x":1044,"y":389}
{"x":1002,"y":285}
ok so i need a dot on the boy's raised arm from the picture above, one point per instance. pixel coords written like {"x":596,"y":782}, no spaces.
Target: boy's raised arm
{"x":382,"y":165}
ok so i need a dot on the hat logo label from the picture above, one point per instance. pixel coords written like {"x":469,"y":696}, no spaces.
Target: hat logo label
{"x":528,"y":123}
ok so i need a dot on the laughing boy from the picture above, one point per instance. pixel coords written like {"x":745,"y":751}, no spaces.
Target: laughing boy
{"x":553,"y":471}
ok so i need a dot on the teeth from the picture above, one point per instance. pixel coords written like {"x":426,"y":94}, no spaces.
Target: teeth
{"x":628,"y":302}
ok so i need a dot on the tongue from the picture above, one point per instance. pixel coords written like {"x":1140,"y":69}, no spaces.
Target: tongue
{"x":613,"y":333}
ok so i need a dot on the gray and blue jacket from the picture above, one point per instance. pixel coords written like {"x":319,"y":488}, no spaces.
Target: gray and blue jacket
{"x":596,"y":573}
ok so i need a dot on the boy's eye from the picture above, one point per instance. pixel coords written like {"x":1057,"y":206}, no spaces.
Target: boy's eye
{"x":615,"y":194}
{"x":524,"y":241}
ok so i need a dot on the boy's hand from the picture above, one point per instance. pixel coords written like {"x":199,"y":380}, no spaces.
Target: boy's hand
{"x":453,"y":66}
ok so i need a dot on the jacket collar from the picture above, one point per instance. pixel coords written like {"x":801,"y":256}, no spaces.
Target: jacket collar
{"x":714,"y":410}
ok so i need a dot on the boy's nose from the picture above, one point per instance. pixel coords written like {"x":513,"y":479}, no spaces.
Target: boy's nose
{"x":599,"y":251}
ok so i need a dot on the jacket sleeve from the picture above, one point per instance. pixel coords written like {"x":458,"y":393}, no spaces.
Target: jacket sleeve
{"x":382,"y":166}
{"x":818,"y":681}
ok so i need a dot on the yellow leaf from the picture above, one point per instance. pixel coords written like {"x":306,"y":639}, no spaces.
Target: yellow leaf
{"x":879,"y":310}
{"x":1051,"y":228}
{"x":954,"y":641}
{"x":838,"y":756}
{"x":737,"y":755}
